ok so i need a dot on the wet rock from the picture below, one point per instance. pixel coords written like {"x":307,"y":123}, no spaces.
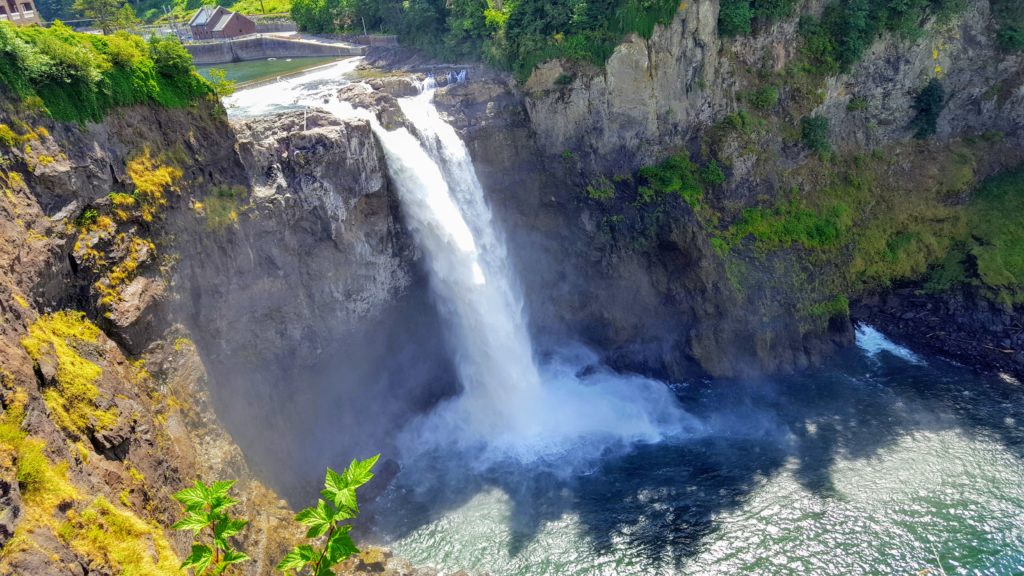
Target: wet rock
{"x":397,"y":86}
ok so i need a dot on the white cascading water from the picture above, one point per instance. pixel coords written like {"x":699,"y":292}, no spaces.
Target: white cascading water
{"x":510,"y":406}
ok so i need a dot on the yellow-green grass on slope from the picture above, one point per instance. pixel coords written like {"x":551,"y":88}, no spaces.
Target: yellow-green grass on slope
{"x":116,"y":538}
{"x":72,"y":403}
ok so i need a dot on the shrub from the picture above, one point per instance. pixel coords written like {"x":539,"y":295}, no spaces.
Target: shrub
{"x":206,"y":511}
{"x":677,"y":175}
{"x":838,"y":307}
{"x":928,"y":105}
{"x":152,"y":183}
{"x":1009,"y":17}
{"x":814,"y":132}
{"x":734,"y":18}
{"x":338,"y":505}
{"x":857,"y":104}
{"x":712,"y":174}
{"x":79,"y":77}
{"x":791,"y":223}
{"x":221,"y":208}
{"x":120,"y":540}
{"x":764,"y":98}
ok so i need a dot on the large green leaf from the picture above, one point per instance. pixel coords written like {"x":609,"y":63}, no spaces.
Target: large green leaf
{"x":318,"y":519}
{"x":340,"y":546}
{"x":221,"y":488}
{"x":359,"y":473}
{"x":193,"y":498}
{"x":230,"y":557}
{"x":221,"y":503}
{"x":194,"y":521}
{"x":297,"y":558}
{"x":224,"y":529}
{"x":199,"y":559}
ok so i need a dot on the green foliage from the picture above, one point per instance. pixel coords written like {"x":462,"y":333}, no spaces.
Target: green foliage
{"x":337,"y":504}
{"x":789,"y":223}
{"x":513,"y":35}
{"x":601,"y":189}
{"x":736,"y":17}
{"x":814,"y":132}
{"x":79,"y":77}
{"x":928,"y":104}
{"x":990,"y":254}
{"x":221,"y":85}
{"x":838,"y":307}
{"x":109,"y":15}
{"x":1009,"y":17}
{"x":87,"y":218}
{"x":222,"y":207}
{"x":677,"y":175}
{"x":847,"y":28}
{"x":712,"y":174}
{"x":206,"y":511}
{"x":763,"y":98}
{"x":856,"y":104}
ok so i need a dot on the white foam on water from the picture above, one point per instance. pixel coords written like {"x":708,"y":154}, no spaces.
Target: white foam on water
{"x":873,"y":342}
{"x":309,"y":89}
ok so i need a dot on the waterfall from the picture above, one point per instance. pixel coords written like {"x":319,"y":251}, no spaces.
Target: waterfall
{"x":469,"y":269}
{"x":510,"y":406}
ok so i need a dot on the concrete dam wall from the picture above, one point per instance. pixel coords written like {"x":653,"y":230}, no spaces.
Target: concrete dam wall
{"x":259,"y":47}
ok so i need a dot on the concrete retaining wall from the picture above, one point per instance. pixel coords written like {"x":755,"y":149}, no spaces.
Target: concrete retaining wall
{"x":261,"y":47}
{"x":275,"y":26}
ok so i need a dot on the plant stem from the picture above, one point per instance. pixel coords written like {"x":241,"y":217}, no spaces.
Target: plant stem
{"x":316,"y":567}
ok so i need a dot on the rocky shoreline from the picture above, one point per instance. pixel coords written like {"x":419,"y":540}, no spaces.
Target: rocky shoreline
{"x":961,"y":326}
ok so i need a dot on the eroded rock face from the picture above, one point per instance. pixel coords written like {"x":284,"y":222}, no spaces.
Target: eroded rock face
{"x":660,"y":93}
{"x":310,"y":308}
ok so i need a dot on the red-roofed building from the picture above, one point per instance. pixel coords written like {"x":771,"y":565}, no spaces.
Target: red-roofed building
{"x":214,"y":22}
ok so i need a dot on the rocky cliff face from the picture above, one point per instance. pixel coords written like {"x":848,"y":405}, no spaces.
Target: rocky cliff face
{"x":309,"y":306}
{"x":573,"y":128}
{"x":102,"y":426}
{"x":665,"y":92}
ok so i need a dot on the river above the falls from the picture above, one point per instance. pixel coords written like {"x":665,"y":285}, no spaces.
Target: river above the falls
{"x":883,"y":463}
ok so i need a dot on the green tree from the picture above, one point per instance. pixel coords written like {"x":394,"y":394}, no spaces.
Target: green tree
{"x":109,"y":15}
{"x":928,"y":105}
{"x":814,"y":132}
{"x":325,"y":522}
{"x":206,"y":513}
{"x":221,"y":85}
{"x":734,"y":17}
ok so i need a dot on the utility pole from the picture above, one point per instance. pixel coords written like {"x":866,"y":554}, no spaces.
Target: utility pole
{"x":365,"y":33}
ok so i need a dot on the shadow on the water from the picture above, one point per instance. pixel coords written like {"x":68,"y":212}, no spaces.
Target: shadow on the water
{"x":662,"y":500}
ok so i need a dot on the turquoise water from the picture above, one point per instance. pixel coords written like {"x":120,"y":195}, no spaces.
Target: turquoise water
{"x":263,"y":69}
{"x":885,"y":463}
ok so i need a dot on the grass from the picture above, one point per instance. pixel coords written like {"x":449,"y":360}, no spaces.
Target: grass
{"x":60,"y":337}
{"x":989,"y":253}
{"x":119,"y":540}
{"x":264,"y":7}
{"x":222,"y":206}
{"x":43,"y":485}
{"x":791,"y":223}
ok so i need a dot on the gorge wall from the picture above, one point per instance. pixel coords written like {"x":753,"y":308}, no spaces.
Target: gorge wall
{"x":705,"y":294}
{"x":261,"y":271}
